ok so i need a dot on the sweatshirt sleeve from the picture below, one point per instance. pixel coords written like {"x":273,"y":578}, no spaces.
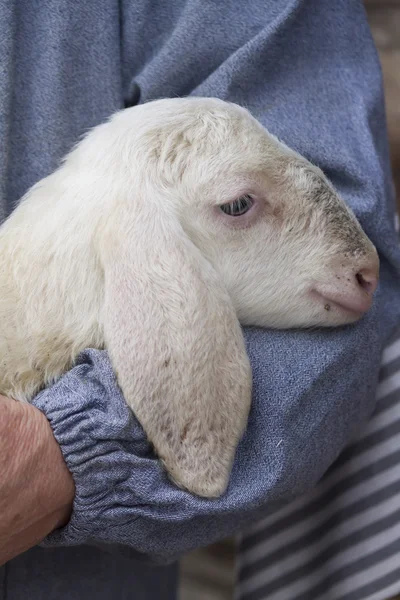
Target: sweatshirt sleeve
{"x":311,"y":75}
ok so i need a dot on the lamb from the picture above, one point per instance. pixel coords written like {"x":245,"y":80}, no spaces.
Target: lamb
{"x":162,"y":232}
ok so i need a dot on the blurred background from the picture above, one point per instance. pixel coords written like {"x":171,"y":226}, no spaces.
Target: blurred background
{"x":208,"y":574}
{"x":384,"y":18}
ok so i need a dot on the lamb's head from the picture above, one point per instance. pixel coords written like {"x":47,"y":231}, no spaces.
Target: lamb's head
{"x":287,"y":248}
{"x":230,"y":223}
{"x":160,"y":229}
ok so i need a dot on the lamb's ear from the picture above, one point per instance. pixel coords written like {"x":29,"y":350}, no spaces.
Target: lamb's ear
{"x":177,"y":349}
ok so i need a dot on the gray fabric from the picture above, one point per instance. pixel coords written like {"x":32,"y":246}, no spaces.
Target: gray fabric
{"x":308,"y":71}
{"x":341,"y":541}
{"x":84,"y":574}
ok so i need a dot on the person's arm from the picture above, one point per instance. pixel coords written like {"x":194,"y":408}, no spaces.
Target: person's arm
{"x":309,"y":72}
{"x":36,"y":489}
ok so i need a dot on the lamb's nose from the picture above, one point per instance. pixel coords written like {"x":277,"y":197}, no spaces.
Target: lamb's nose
{"x":354,"y":285}
{"x":368,"y":280}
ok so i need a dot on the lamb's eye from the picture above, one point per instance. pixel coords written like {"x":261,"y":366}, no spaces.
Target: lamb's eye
{"x":238,"y":207}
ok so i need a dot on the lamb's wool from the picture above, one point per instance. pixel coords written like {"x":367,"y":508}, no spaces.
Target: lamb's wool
{"x":150,"y":267}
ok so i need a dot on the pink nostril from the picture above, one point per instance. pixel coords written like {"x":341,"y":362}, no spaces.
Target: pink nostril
{"x":368,"y":281}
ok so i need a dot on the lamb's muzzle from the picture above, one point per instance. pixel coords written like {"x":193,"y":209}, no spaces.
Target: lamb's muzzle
{"x":352,"y":287}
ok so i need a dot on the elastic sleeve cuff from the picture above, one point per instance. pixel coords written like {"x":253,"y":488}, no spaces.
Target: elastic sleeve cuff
{"x":102,"y":444}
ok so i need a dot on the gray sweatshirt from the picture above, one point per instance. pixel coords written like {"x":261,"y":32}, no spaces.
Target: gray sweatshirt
{"x":308,"y":70}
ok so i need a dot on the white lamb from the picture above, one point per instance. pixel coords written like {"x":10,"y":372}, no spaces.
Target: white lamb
{"x":163,"y":229}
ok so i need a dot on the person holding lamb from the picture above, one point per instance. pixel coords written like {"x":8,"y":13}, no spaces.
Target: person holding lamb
{"x":78,"y":475}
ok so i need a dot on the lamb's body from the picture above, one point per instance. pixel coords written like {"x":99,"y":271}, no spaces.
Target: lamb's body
{"x":126,"y":247}
{"x":42,"y":293}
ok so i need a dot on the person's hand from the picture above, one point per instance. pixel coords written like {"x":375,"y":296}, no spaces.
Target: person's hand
{"x":36,"y":488}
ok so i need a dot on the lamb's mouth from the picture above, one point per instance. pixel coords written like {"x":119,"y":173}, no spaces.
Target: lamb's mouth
{"x":353,"y":304}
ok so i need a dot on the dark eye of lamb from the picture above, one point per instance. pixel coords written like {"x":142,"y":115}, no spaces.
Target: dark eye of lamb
{"x":238,"y":207}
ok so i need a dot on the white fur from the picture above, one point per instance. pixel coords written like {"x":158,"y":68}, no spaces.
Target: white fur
{"x":124,"y":247}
